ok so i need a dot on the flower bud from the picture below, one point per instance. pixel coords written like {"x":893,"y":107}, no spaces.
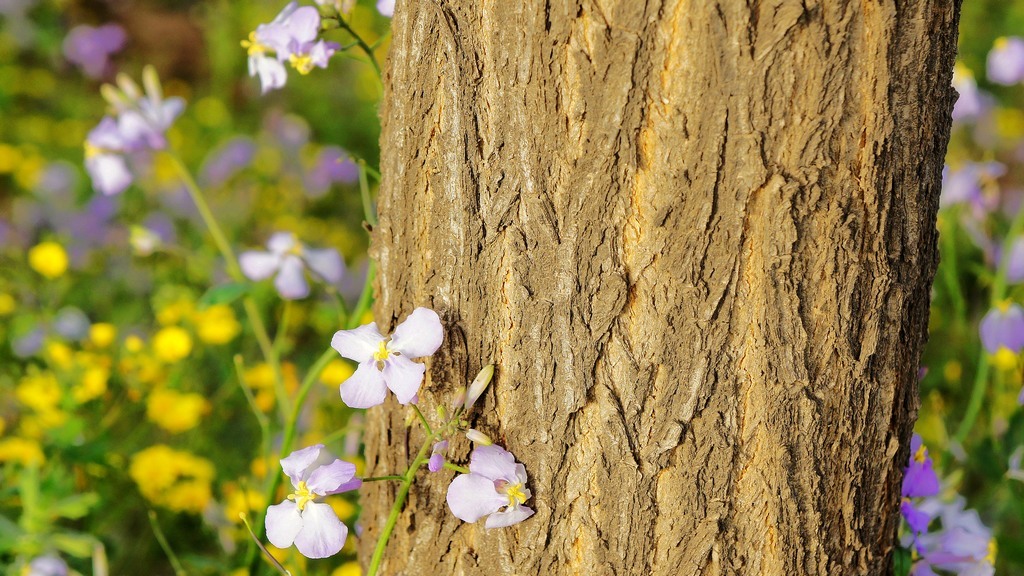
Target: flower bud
{"x":478,"y":437}
{"x":460,"y":398}
{"x":479,"y":384}
{"x":442,"y":413}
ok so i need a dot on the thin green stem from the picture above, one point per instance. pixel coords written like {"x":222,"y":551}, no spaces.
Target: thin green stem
{"x":456,"y":467}
{"x":949,"y":270}
{"x":423,"y":420}
{"x":366,"y":48}
{"x":998,"y":294}
{"x":281,"y":569}
{"x":282,"y":328}
{"x":179,"y":570}
{"x":380,"y":478}
{"x":396,"y":508}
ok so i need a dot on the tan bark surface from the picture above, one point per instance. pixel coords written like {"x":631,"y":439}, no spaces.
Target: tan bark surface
{"x":697,"y":239}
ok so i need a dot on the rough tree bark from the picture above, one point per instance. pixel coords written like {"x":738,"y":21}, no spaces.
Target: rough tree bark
{"x":697,"y":239}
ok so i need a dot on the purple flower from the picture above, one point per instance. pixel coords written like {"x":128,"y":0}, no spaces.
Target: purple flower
{"x":288,"y":260}
{"x":964,"y":545}
{"x":313,"y":527}
{"x":331,"y":165}
{"x":495,"y":487}
{"x":140,"y":124}
{"x":385,"y":363}
{"x":290,"y":37}
{"x":964,"y":185}
{"x":227,"y":160}
{"x":436,"y":461}
{"x":50,"y":565}
{"x":919,"y":481}
{"x":1006,"y":61}
{"x":386,"y":7}
{"x":90,"y":48}
{"x":1003,"y":327}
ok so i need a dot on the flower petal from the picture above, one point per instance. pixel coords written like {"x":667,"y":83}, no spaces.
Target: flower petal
{"x":281,"y":242}
{"x":493,"y":462}
{"x":326,"y":263}
{"x":298,"y":462}
{"x":109,"y":173}
{"x":291,"y":279}
{"x":403,"y":377}
{"x":353,"y":484}
{"x":508,"y":517}
{"x":358,"y":344}
{"x":420,"y":335}
{"x":365,"y":387}
{"x":326,"y":479}
{"x":258,"y":265}
{"x":471,"y":497}
{"x":322,"y":534}
{"x":283,"y":523}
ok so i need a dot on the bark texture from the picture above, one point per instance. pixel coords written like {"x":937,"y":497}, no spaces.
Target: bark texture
{"x":697,"y":239}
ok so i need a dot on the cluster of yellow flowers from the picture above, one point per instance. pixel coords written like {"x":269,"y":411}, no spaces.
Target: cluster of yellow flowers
{"x":174,"y":479}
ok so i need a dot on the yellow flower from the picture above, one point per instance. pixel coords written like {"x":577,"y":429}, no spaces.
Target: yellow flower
{"x":217,"y":324}
{"x":242,"y":502}
{"x":40,"y":392}
{"x":133,"y":344}
{"x":1004,"y":359}
{"x":21,"y":450}
{"x":172,"y":344}
{"x":176,"y":311}
{"x":102,"y":334}
{"x":7,"y":304}
{"x":176,"y":412}
{"x":342,"y":507}
{"x":171,"y":478}
{"x":48,"y":259}
{"x":336,"y":372}
{"x":59,"y":353}
{"x":92,"y":385}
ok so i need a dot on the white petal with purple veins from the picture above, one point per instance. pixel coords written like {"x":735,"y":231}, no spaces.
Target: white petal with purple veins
{"x":358,"y":344}
{"x":322,"y":534}
{"x":508,"y":517}
{"x":296,"y":463}
{"x":403,"y":377}
{"x":283,"y":523}
{"x":326,"y":479}
{"x":471,"y":497}
{"x":420,"y":335}
{"x":364,"y":388}
{"x":494,"y":462}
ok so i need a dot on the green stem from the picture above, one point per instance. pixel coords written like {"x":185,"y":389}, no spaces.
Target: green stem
{"x":179,"y":570}
{"x":423,"y":420}
{"x":998,"y":294}
{"x":456,"y":467}
{"x":396,"y":509}
{"x":379,"y":478}
{"x":366,"y":48}
{"x":949,"y":270}
{"x":231,"y":262}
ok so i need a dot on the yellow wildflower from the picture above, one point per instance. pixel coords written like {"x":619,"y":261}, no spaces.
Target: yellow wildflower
{"x":174,"y":411}
{"x":171,"y":478}
{"x":217,"y":324}
{"x":21,"y":450}
{"x":59,"y":353}
{"x":48,"y":259}
{"x":93,"y":384}
{"x":348,"y":569}
{"x":39,"y":391}
{"x":242,"y":502}
{"x":7,"y":304}
{"x":175,"y":312}
{"x":102,"y":334}
{"x":172,"y":344}
{"x":133,"y":344}
{"x":336,"y":372}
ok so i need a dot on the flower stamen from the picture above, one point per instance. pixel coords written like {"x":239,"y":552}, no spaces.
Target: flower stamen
{"x":302,"y":496}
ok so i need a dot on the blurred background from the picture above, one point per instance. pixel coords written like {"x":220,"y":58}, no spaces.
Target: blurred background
{"x":127,"y":445}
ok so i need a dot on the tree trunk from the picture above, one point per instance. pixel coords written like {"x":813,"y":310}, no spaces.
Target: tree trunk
{"x":697,"y":239}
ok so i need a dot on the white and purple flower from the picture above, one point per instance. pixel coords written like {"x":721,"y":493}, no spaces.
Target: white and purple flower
{"x":495,"y":487}
{"x":287,"y":260}
{"x":312,"y":526}
{"x":1006,"y":61}
{"x":436,"y":462}
{"x":291,"y":37}
{"x":90,"y":48}
{"x":387,"y":363}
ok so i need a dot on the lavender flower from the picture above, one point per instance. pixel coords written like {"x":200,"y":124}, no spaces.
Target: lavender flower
{"x":290,"y":37}
{"x":436,"y":461}
{"x":1006,"y":61}
{"x":1003,"y":328}
{"x":386,"y":7}
{"x":90,"y":48}
{"x":140,"y":123}
{"x":495,"y":487}
{"x":385,"y":363}
{"x":964,"y":185}
{"x":49,"y":565}
{"x":313,"y":527}
{"x":331,"y":165}
{"x":288,"y":260}
{"x":963,"y":546}
{"x":969,"y":104}
{"x":919,"y":481}
{"x":222,"y":164}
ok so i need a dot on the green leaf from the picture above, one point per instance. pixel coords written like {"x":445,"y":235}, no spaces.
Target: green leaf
{"x":224,"y":294}
{"x":77,"y":545}
{"x":74,"y":507}
{"x":901,"y":562}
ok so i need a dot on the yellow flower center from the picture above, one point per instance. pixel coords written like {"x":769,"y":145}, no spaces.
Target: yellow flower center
{"x":302,"y":496}
{"x":304,"y":64}
{"x":515,"y":494}
{"x":382,"y":352}
{"x":921,"y":455}
{"x":991,"y":556}
{"x":1001,"y":43}
{"x":253,"y":45}
{"x":91,"y":151}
